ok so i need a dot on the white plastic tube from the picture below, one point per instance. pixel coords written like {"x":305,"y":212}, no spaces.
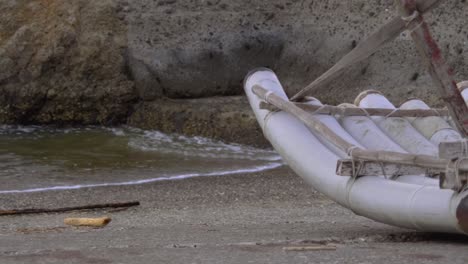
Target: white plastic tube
{"x":433,"y":128}
{"x":366,"y":132}
{"x":397,"y":128}
{"x":400,"y":204}
{"x":334,"y":125}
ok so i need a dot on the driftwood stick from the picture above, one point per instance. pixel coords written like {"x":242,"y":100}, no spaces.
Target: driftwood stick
{"x":67,"y":209}
{"x":441,"y":73}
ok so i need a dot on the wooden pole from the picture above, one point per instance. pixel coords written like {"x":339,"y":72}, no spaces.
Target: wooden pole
{"x":357,"y":111}
{"x":440,"y":72}
{"x":67,"y":209}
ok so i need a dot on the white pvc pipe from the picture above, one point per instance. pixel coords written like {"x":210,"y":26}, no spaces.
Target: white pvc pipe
{"x":434,"y":128}
{"x":371,"y":136}
{"x":400,"y":204}
{"x":366,"y":132}
{"x":397,"y":128}
{"x":333,"y":124}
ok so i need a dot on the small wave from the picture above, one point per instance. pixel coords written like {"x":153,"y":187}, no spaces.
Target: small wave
{"x":17,"y":130}
{"x":150,"y":180}
{"x":197,"y":146}
{"x":41,"y":131}
{"x":155,"y":141}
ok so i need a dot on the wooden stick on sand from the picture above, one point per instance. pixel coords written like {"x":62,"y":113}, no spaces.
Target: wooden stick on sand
{"x":67,"y":209}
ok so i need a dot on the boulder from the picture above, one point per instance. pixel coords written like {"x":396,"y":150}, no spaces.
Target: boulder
{"x":62,"y":62}
{"x":110,"y":61}
{"x":205,"y":47}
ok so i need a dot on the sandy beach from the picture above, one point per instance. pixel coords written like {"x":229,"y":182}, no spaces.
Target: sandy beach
{"x":245,"y":218}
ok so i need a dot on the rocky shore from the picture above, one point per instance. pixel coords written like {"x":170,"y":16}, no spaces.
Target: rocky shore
{"x":174,"y":65}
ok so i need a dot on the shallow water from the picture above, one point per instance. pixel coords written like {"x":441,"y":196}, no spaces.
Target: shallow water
{"x":37,"y":158}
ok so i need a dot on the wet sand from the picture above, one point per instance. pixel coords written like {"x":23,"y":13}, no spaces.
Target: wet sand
{"x":249,"y":218}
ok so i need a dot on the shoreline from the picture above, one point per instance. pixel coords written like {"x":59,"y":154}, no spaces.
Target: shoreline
{"x":255,"y":169}
{"x":229,"y":219}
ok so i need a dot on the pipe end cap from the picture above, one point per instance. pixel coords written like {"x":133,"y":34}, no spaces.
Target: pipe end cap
{"x":363,"y":95}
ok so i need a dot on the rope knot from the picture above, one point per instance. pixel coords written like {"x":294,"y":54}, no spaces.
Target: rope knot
{"x":411,"y":17}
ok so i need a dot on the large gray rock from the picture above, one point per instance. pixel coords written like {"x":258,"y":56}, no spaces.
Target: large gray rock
{"x":203,"y":48}
{"x":97,"y":62}
{"x":62,"y":62}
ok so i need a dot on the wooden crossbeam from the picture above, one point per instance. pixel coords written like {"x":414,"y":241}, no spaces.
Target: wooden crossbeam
{"x":453,"y":150}
{"x":356,"y":111}
{"x":359,"y":168}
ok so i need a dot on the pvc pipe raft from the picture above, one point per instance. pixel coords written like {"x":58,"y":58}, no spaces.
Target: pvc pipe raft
{"x":413,"y":206}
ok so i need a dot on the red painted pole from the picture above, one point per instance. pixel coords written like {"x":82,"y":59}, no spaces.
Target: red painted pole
{"x":440,"y":72}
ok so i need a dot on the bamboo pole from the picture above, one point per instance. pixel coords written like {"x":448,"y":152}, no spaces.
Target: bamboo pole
{"x":441,"y":73}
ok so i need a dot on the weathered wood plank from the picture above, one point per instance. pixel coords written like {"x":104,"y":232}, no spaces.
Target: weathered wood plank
{"x":356,"y":111}
{"x":452,"y":150}
{"x":361,"y":168}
